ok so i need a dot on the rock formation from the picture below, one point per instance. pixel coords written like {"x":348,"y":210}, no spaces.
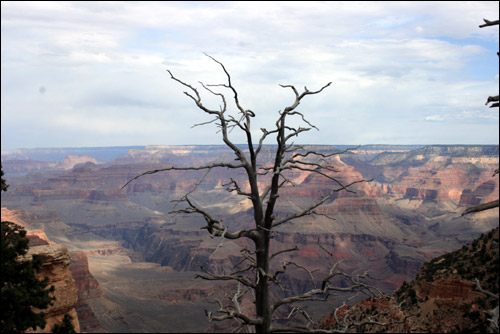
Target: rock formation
{"x":444,"y":298}
{"x":55,"y":266}
{"x":408,"y":214}
{"x":72,"y":160}
{"x":88,"y":288}
{"x":68,"y":274}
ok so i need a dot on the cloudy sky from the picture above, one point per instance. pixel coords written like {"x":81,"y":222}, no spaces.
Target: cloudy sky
{"x":76,"y":74}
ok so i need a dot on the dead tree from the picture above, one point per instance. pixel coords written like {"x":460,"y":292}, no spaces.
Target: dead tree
{"x":489,"y":205}
{"x":495,"y":99}
{"x":494,"y":312}
{"x":258,"y":275}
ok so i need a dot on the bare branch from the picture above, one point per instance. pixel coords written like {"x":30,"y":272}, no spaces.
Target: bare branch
{"x":284,"y":251}
{"x":494,"y":312}
{"x":236,"y":302}
{"x":493,"y":99}
{"x":314,"y":294}
{"x":196,"y":99}
{"x":482,"y":207}
{"x":478,"y":287}
{"x":229,"y":314}
{"x":204,"y":123}
{"x":236,"y":188}
{"x":214,"y":226}
{"x":220,"y":244}
{"x":264,"y":136}
{"x":325,"y":155}
{"x":214,"y":277}
{"x":220,"y":164}
{"x":306,"y":91}
{"x":324,"y":249}
{"x":488,"y":23}
{"x":310,"y":209}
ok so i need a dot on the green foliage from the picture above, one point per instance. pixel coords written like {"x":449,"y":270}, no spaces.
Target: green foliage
{"x":412,"y":295}
{"x":402,"y":291}
{"x":65,"y":327}
{"x":475,"y":243}
{"x":21,"y":290}
{"x":478,"y":259}
{"x":407,"y":293}
{"x":3,"y":183}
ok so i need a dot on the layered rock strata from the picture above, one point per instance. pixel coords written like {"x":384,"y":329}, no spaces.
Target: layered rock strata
{"x":55,"y":266}
{"x":444,"y":298}
{"x":88,"y":288}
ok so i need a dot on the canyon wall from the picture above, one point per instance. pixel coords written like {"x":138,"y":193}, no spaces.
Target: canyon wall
{"x":88,"y":289}
{"x":68,"y":273}
{"x":55,"y":266}
{"x":406,"y":215}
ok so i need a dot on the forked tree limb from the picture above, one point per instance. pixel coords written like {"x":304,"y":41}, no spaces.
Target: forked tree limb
{"x":257,"y":273}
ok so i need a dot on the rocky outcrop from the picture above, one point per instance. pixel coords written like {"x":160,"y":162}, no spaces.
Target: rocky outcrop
{"x":36,"y":239}
{"x":446,"y":289}
{"x":36,"y":235}
{"x":55,"y":266}
{"x":402,"y":265}
{"x":88,"y":288}
{"x":444,"y":297}
{"x":72,"y":160}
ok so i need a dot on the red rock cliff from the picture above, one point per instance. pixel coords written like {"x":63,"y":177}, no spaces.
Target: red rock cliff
{"x":88,"y":288}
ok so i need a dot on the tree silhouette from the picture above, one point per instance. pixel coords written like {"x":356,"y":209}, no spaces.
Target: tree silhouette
{"x":3,"y":183}
{"x":257,"y":274}
{"x":65,"y":327}
{"x":21,"y":290}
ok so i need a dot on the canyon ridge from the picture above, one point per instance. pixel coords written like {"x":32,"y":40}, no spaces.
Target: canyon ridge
{"x":134,"y":263}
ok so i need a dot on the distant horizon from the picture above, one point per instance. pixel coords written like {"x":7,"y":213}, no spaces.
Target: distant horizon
{"x":222,"y":145}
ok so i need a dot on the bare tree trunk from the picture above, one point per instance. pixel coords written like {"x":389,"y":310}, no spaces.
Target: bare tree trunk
{"x":258,"y":276}
{"x":262,"y":303}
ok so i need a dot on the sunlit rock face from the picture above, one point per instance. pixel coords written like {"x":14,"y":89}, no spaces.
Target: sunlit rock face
{"x":55,"y":266}
{"x":408,"y":213}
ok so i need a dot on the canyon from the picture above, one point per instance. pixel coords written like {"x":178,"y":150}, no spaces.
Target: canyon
{"x":54,"y":266}
{"x":134,"y":263}
{"x":453,"y":293}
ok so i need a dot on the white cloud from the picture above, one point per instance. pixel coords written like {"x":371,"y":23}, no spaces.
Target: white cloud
{"x":435,"y":118}
{"x":107,"y":126}
{"x":392,"y":64}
